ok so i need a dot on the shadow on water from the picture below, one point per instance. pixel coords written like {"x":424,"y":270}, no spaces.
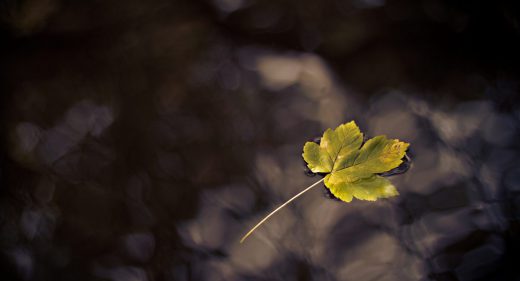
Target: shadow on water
{"x":142,"y":140}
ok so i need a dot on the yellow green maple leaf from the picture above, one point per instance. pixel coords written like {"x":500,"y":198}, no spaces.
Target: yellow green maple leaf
{"x":351,"y":168}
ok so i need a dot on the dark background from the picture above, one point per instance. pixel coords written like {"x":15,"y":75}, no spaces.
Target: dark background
{"x":141,"y":139}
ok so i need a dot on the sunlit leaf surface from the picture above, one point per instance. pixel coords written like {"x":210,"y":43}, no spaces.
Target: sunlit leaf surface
{"x":352,"y":166}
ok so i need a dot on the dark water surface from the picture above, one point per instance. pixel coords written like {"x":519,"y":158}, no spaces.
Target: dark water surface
{"x":142,"y":139}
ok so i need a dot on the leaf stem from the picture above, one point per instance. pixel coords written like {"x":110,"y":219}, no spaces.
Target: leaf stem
{"x":278,"y":209}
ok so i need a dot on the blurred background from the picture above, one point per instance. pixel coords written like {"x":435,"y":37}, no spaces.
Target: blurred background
{"x":142,"y":139}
